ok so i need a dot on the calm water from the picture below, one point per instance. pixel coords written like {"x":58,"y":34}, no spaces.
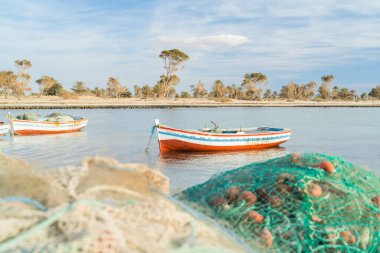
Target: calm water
{"x":353,"y":133}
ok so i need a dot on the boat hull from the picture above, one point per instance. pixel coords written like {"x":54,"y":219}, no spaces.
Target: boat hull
{"x":4,"y":129}
{"x":25,"y":127}
{"x":171,"y":139}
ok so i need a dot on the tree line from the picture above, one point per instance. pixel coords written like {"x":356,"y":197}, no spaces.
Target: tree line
{"x":253,"y":86}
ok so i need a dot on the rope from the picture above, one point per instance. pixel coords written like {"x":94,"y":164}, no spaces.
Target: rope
{"x":11,"y":129}
{"x":207,"y":220}
{"x":9,"y":244}
{"x":150,"y":139}
{"x":25,"y":200}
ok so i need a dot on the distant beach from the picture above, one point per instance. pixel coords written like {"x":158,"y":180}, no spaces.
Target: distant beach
{"x":88,"y":102}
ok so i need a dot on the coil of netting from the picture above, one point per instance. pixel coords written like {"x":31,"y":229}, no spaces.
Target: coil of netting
{"x":297,"y":203}
{"x":101,"y":206}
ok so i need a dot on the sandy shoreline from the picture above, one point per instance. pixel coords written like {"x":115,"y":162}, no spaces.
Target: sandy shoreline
{"x":114,"y":103}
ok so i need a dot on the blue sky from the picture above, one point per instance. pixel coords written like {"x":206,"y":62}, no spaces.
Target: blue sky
{"x":287,"y":40}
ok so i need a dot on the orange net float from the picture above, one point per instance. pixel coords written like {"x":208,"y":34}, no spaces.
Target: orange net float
{"x":348,"y":237}
{"x":266,"y":238}
{"x":262,"y":193}
{"x":219,"y":203}
{"x":274,"y":201}
{"x":315,"y":190}
{"x":249,"y":198}
{"x":233,"y":194}
{"x":253,"y":216}
{"x":327,"y":166}
{"x":296,"y":158}
{"x":376,"y":201}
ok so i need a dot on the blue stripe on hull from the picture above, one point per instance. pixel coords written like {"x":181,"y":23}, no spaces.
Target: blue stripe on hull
{"x":268,"y":138}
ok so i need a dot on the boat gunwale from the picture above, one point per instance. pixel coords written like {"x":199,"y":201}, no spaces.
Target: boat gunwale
{"x":50,"y":122}
{"x":224,"y":135}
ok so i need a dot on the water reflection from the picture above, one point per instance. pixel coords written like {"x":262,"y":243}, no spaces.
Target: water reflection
{"x":124,"y":134}
{"x":50,"y":148}
{"x":48,"y":137}
{"x":250,"y":155}
{"x":182,"y":167}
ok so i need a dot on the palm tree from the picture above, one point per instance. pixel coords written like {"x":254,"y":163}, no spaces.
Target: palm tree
{"x":325,"y":88}
{"x":80,"y":87}
{"x":218,"y":89}
{"x":114,"y":87}
{"x":199,"y":90}
{"x":268,"y":94}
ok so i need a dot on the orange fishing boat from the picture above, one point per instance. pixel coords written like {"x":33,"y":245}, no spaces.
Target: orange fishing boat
{"x":174,"y":139}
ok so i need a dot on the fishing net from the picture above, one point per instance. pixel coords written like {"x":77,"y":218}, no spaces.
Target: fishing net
{"x":297,"y":203}
{"x":28,"y":116}
{"x":59,"y":117}
{"x":54,"y":117}
{"x":102,"y":206}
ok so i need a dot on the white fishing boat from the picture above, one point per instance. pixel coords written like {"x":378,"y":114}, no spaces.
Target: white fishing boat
{"x":53,"y":124}
{"x":4,"y":128}
{"x":174,"y":139}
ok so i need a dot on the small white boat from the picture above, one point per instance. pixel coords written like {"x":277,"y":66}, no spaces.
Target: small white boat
{"x":174,"y":139}
{"x":56,"y":124}
{"x":4,"y":128}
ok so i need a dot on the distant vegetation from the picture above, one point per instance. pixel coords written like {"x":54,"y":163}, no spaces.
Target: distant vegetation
{"x":254,"y":86}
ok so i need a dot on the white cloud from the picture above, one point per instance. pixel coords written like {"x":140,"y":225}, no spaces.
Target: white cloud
{"x":287,"y":40}
{"x":205,"y":42}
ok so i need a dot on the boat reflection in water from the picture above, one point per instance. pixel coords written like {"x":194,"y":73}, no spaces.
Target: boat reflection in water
{"x":48,"y":150}
{"x":243,"y":156}
{"x":189,"y":168}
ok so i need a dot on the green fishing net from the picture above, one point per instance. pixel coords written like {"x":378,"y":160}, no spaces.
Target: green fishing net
{"x":297,"y":203}
{"x":28,"y":116}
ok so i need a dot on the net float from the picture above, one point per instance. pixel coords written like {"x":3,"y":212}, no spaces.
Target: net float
{"x":315,"y":190}
{"x":296,"y":157}
{"x":219,"y":202}
{"x":348,"y":237}
{"x":262,"y":193}
{"x":283,"y":188}
{"x":232,"y":194}
{"x":327,"y":166}
{"x":317,"y":219}
{"x":285,"y":177}
{"x":274,"y":201}
{"x":249,"y":197}
{"x":376,"y":201}
{"x":266,"y":238}
{"x":253,"y":216}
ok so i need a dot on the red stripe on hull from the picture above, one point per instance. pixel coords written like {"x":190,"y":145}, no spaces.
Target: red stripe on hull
{"x":36,"y":132}
{"x":223,"y":135}
{"x":49,"y":122}
{"x":176,"y":145}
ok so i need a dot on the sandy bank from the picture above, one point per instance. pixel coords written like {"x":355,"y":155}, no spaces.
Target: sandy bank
{"x":89,"y":102}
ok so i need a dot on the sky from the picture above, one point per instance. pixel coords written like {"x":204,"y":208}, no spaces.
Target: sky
{"x":288,"y":40}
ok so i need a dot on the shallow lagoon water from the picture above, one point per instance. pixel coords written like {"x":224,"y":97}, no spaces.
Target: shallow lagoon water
{"x":353,"y":133}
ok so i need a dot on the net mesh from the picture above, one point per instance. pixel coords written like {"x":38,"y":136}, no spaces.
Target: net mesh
{"x":297,"y":203}
{"x":102,"y":206}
